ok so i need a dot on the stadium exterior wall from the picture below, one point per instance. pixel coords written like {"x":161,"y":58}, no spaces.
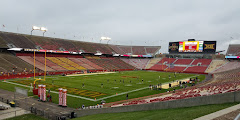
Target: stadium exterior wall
{"x":189,"y":102}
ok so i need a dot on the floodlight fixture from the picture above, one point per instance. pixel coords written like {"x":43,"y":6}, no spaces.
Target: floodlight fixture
{"x":105,"y":38}
{"x":35,"y":28}
{"x":44,"y":30}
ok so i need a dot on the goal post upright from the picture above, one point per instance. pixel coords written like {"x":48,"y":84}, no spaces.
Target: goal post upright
{"x":34,"y":64}
{"x":45,"y":69}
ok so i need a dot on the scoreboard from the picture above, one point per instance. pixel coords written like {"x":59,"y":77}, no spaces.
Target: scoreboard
{"x":192,"y":47}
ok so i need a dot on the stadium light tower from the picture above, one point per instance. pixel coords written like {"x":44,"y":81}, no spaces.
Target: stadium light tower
{"x":44,"y":30}
{"x":35,"y":28}
{"x":105,"y":38}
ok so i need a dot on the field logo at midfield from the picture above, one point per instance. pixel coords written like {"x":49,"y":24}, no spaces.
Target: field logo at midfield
{"x":75,"y":91}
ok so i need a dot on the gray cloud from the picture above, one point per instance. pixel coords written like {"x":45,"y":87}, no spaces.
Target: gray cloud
{"x":135,"y":22}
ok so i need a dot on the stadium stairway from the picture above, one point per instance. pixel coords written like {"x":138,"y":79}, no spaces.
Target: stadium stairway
{"x":214,"y":65}
{"x":152,"y":62}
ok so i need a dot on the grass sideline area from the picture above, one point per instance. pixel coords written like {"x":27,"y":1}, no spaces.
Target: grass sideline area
{"x":102,"y":86}
{"x":27,"y":117}
{"x":187,"y":113}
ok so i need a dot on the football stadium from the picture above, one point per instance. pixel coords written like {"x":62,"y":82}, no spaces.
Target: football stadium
{"x":44,"y":77}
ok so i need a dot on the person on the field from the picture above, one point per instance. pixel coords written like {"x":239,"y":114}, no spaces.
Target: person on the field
{"x":50,"y":98}
{"x":127,"y":97}
{"x":130,"y":81}
{"x":120,"y":81}
{"x":83,"y":85}
{"x":142,"y":80}
{"x":123,"y":81}
{"x":170,"y":85}
{"x":159,"y":77}
{"x":102,"y":85}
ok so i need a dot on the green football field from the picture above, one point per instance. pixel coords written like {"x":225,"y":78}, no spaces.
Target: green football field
{"x":91,"y":89}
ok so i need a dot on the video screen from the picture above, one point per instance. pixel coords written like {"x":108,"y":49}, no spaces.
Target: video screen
{"x":192,"y":47}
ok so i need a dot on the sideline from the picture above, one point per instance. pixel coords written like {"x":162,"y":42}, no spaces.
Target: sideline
{"x":90,"y":74}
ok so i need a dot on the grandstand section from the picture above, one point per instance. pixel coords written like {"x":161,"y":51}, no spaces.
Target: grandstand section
{"x":61,"y":63}
{"x":110,"y":63}
{"x":86,"y":61}
{"x":158,"y":67}
{"x":196,"y":69}
{"x":126,"y":49}
{"x":176,"y":69}
{"x":183,"y":61}
{"x":230,"y":76}
{"x":228,"y":66}
{"x":3,"y":44}
{"x":50,"y":64}
{"x":66,"y":60}
{"x":38,"y":64}
{"x":152,"y":62}
{"x":79,"y":62}
{"x":66,"y":45}
{"x":167,"y":61}
{"x":138,"y":50}
{"x":43,"y":43}
{"x":135,"y":50}
{"x":233,"y":50}
{"x":9,"y":61}
{"x":215,"y":64}
{"x":138,"y":63}
{"x":202,"y":62}
{"x":12,"y":40}
{"x":15,"y":40}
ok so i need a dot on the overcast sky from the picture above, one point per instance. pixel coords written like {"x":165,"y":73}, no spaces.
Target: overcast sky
{"x":127,"y":22}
